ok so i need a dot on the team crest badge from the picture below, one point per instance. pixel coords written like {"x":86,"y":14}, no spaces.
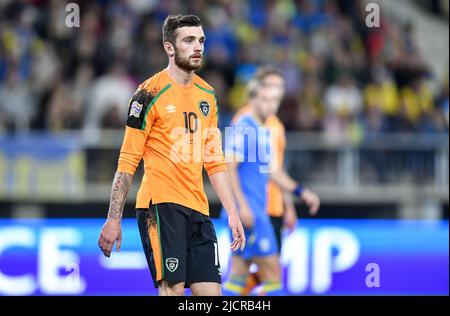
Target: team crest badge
{"x":204,"y":107}
{"x":172,"y":264}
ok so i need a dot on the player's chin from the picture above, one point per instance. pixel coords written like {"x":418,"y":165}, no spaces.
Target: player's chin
{"x":196,"y":62}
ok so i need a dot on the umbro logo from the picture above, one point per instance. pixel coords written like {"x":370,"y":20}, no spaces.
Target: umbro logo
{"x":170,"y":108}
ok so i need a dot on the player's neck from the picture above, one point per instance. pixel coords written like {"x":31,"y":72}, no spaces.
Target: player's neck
{"x":259,"y":119}
{"x":180,"y":76}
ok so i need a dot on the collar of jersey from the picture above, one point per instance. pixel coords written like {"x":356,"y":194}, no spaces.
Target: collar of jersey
{"x":176,"y":84}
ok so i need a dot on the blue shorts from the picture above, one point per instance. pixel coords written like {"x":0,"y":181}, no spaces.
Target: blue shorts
{"x":260,"y":241}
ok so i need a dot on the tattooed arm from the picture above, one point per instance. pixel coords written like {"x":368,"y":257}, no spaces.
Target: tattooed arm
{"x":111,"y":230}
{"x":120,"y":187}
{"x":139,"y":122}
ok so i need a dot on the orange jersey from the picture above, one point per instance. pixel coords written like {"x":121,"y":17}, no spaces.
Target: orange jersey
{"x":174,"y":129}
{"x":275,"y":205}
{"x":274,"y":192}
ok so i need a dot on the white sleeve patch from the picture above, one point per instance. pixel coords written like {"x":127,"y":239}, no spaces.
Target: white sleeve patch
{"x":136,"y":109}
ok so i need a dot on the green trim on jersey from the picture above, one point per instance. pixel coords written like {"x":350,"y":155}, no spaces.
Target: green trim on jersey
{"x":152,"y":103}
{"x":204,"y":89}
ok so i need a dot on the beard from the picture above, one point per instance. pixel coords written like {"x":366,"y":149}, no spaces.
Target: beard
{"x":185,"y":63}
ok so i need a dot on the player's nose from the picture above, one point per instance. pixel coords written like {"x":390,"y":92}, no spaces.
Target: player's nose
{"x":198,"y":48}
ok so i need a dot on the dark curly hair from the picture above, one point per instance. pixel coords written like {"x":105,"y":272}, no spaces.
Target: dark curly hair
{"x":173,"y":22}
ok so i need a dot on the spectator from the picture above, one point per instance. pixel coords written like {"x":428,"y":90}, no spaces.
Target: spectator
{"x":16,"y":102}
{"x":111,"y":88}
{"x":344,"y":97}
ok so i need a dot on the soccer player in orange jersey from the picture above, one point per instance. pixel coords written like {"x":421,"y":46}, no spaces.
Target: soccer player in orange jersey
{"x":172,"y":126}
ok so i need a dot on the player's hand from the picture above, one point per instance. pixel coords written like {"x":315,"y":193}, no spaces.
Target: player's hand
{"x":111,"y":232}
{"x":290,"y":219}
{"x":237,"y":231}
{"x":311,"y":200}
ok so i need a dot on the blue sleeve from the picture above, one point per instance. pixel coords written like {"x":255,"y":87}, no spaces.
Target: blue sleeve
{"x":235,"y":149}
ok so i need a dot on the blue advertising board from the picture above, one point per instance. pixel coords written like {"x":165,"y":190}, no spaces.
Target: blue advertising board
{"x":321,"y":257}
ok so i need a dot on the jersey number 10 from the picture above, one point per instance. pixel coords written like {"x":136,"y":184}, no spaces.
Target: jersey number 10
{"x":189,"y":125}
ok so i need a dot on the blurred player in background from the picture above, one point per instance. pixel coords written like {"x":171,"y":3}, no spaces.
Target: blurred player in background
{"x":175,"y":109}
{"x":253,"y":133}
{"x":280,"y":205}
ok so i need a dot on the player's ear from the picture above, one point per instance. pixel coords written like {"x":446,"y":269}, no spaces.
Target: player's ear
{"x":169,"y":48}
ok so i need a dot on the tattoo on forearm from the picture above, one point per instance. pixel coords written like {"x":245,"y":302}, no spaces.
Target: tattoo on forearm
{"x":120,"y":187}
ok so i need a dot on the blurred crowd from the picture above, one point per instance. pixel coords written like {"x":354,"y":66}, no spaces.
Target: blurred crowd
{"x":343,"y":78}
